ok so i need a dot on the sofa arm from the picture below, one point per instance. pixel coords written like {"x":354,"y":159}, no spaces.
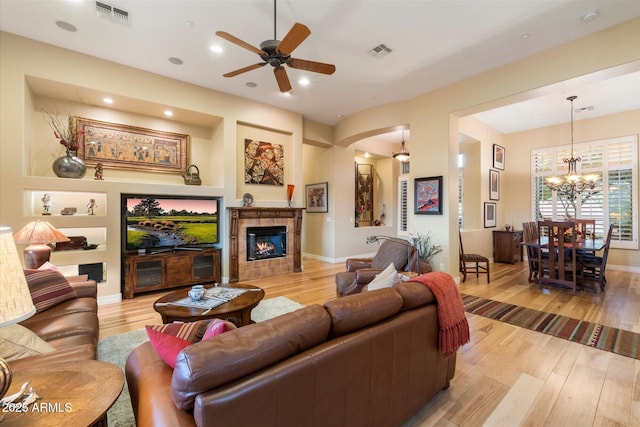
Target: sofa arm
{"x":85,"y":289}
{"x":354,"y":264}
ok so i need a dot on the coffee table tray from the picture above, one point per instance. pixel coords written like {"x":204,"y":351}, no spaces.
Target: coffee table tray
{"x":213,"y":297}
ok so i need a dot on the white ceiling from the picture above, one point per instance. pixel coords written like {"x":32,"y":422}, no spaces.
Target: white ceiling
{"x":434,"y":43}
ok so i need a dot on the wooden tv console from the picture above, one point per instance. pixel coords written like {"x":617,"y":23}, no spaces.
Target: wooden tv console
{"x":169,"y":270}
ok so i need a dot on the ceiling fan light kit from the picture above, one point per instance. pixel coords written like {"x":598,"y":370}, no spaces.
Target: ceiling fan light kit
{"x":277,"y":53}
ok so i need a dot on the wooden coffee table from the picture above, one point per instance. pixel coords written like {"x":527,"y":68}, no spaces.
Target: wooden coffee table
{"x":238,"y":310}
{"x":71,"y":394}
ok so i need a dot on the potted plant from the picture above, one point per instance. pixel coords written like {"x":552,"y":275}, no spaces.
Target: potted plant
{"x":67,"y":166}
{"x":426,"y":250}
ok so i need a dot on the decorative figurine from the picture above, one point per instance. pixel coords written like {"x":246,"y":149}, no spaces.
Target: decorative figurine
{"x":98,"y":175}
{"x":46,"y":203}
{"x":91,"y":206}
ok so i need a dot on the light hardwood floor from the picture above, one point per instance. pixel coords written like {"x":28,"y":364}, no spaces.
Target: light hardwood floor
{"x":506,"y":375}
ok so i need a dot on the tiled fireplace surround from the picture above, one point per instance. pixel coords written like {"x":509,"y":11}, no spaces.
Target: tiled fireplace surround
{"x":240,"y":219}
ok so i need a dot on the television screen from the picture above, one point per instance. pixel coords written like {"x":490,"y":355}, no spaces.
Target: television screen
{"x":155,"y":222}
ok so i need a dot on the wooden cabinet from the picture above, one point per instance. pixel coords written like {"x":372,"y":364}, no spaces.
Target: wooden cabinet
{"x":168,"y":270}
{"x":506,"y":246}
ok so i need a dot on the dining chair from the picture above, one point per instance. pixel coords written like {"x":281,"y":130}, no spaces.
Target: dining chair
{"x":530,"y":237}
{"x":594,"y":266}
{"x":561,"y":267}
{"x":471,"y":263}
{"x":586,"y":228}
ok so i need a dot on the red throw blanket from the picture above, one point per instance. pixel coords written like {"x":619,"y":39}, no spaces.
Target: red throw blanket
{"x":454,"y":328}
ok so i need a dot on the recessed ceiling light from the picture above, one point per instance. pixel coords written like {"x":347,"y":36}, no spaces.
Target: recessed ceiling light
{"x":216,"y":48}
{"x":189,"y":23}
{"x":251,"y":84}
{"x":176,"y":61}
{"x":525,"y":36}
{"x":304,"y":81}
{"x":66,"y":26}
{"x":168,"y":113}
{"x":590,"y":16}
{"x":107,"y":100}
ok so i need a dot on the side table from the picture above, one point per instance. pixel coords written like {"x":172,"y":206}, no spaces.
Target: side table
{"x":71,"y":394}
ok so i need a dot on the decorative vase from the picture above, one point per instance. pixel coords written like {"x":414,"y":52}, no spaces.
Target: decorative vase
{"x":69,"y":166}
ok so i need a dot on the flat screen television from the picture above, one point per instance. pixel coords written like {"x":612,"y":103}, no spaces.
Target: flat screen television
{"x":159,"y":223}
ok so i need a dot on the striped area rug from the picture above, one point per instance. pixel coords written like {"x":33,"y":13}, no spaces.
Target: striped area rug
{"x":615,"y":340}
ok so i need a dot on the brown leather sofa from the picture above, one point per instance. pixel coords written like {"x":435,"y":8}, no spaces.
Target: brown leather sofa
{"x":365,"y":359}
{"x":71,"y":327}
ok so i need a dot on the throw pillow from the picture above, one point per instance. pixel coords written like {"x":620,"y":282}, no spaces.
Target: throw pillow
{"x":385,"y":279}
{"x":170,"y":339}
{"x":48,"y":288}
{"x":17,"y":342}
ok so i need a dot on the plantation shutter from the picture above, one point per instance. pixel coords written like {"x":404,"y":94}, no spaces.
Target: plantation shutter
{"x":403,"y":191}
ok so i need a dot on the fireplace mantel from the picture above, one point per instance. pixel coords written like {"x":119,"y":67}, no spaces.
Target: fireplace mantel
{"x":249,"y":217}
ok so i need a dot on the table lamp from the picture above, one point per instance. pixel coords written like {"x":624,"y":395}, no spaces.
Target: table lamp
{"x":16,"y":304}
{"x":36,"y":234}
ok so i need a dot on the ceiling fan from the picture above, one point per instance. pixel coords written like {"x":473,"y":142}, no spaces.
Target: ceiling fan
{"x":278,"y":53}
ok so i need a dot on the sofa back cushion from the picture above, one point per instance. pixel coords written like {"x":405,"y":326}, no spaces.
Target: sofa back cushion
{"x":234,"y":354}
{"x":414,"y":294}
{"x":353,"y":312}
{"x":48,"y":288}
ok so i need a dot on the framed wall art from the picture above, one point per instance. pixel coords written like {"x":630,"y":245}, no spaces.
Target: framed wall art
{"x":489,"y":214}
{"x":263,"y":162}
{"x":428,"y":196}
{"x":494,"y":185}
{"x":498,"y":157}
{"x":317,"y":197}
{"x":130,"y":147}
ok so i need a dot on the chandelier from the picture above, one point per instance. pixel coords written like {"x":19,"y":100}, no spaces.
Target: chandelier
{"x":403,"y":154}
{"x":572,"y":184}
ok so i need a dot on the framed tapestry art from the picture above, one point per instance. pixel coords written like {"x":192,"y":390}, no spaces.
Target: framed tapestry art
{"x":263,"y":162}
{"x":428,"y":196}
{"x":317,"y":197}
{"x":498,"y":157}
{"x":494,"y":185}
{"x":489,"y":214}
{"x":130,"y":147}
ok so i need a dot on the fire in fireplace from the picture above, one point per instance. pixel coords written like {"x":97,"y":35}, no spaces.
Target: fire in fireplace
{"x":266,"y":242}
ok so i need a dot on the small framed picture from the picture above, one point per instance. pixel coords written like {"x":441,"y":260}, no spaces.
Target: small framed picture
{"x":494,"y":185}
{"x":498,"y":157}
{"x":317,"y":197}
{"x":489,"y":214}
{"x":428,"y":196}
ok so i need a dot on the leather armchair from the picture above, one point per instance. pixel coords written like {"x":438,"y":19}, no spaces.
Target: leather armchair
{"x":361,"y":271}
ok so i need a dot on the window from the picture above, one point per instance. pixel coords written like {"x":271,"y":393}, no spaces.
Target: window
{"x":616,"y":161}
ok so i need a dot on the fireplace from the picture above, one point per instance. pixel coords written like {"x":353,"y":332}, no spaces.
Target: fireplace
{"x":266,"y":242}
{"x":240,"y":219}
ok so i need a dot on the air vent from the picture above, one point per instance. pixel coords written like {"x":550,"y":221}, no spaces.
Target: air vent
{"x":380,"y":51}
{"x":582,"y":109}
{"x":111,"y":12}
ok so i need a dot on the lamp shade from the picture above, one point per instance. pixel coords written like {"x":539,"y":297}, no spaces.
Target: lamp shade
{"x":16,"y":304}
{"x":36,"y":234}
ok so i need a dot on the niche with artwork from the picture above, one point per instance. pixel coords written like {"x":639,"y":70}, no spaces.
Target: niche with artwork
{"x":364,"y":195}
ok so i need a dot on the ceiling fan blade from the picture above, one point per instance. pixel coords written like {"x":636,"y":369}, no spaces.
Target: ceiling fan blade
{"x":316,"y":67}
{"x":292,"y":40}
{"x":241,"y":43}
{"x":244,"y":70}
{"x":282,"y":79}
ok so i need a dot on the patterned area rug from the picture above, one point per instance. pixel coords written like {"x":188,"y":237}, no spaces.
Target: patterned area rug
{"x":615,"y":340}
{"x":116,"y":348}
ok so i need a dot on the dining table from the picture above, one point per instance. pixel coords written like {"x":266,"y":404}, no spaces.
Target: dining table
{"x":583,"y":246}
